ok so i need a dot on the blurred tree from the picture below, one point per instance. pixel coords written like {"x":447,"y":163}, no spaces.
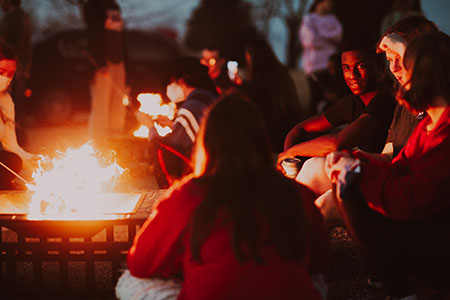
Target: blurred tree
{"x":291,"y":13}
{"x":224,"y":25}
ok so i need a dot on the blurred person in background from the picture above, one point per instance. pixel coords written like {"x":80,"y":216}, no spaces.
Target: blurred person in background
{"x":16,"y":31}
{"x":106,"y":53}
{"x":269,"y":84}
{"x":235,"y":228}
{"x":320,"y":35}
{"x":192,"y":90}
{"x":399,"y":210}
{"x":11,"y":154}
{"x":217,"y":69}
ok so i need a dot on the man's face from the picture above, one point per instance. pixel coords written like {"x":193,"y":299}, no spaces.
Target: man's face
{"x":212,"y":60}
{"x":358,"y":71}
{"x":7,"y":68}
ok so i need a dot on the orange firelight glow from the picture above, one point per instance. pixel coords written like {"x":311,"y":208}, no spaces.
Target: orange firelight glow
{"x":151,"y":105}
{"x":76,"y":184}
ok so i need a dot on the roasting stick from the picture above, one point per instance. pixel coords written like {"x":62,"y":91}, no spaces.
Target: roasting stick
{"x":14,"y":173}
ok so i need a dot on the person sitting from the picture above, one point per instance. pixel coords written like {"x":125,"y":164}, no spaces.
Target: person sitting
{"x":190,"y":87}
{"x":269,"y":84}
{"x":393,"y":43}
{"x":221,"y":228}
{"x":11,"y":154}
{"x":217,"y":69}
{"x":399,"y":211}
{"x":367,"y":111}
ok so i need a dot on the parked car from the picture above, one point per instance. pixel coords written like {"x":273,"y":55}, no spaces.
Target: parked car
{"x":59,"y":78}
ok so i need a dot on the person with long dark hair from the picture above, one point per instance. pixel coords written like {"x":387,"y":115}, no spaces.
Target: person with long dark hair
{"x":268,"y":83}
{"x":399,"y":211}
{"x":236,"y":228}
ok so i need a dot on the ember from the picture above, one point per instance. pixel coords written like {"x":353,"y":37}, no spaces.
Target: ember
{"x":75,"y":182}
{"x":151,"y":105}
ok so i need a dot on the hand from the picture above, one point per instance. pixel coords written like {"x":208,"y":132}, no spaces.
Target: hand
{"x":164,"y":121}
{"x":144,"y":119}
{"x":337,"y":165}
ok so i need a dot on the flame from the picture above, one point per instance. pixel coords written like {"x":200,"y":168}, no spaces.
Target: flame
{"x":67,"y":184}
{"x":162,"y":130}
{"x":141,"y":132}
{"x":151,"y":104}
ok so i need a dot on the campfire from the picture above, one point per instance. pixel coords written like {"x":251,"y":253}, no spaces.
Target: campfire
{"x":78,"y":184}
{"x":152,"y":105}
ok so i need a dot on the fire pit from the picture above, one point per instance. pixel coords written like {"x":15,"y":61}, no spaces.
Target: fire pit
{"x":41,"y":239}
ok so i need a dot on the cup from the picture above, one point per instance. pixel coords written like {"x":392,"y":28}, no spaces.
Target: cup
{"x":291,"y":167}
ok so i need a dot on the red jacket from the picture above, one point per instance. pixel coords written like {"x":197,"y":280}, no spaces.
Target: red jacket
{"x":417,"y":183}
{"x":161,"y":249}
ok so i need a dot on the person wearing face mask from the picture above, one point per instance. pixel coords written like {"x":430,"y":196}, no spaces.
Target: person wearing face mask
{"x":192,"y":90}
{"x":11,"y":154}
{"x":399,"y":211}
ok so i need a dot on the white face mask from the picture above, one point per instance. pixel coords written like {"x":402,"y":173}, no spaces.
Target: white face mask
{"x":4,"y":83}
{"x":175,"y":92}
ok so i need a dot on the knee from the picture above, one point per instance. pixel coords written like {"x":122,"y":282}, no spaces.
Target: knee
{"x":311,"y":169}
{"x":313,"y":175}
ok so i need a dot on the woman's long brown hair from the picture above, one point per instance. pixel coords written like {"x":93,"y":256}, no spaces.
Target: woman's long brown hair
{"x":233,"y":156}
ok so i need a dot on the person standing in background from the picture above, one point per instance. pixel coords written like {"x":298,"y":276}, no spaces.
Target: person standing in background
{"x":106,"y":51}
{"x":16,"y":30}
{"x":320,"y":35}
{"x":217,"y":69}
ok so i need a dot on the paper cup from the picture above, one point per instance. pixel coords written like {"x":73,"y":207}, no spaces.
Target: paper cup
{"x":291,"y":166}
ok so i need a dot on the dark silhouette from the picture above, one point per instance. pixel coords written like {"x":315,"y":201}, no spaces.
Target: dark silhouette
{"x":269,"y":84}
{"x":227,"y":25}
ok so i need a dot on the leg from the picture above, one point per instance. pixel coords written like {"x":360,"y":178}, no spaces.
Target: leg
{"x":327,"y":206}
{"x":313,"y":175}
{"x":383,"y":241}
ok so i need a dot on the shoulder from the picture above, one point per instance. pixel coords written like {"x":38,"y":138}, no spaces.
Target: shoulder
{"x":184,"y":196}
{"x":199,"y":100}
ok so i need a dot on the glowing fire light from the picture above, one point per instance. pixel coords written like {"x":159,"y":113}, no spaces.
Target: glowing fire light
{"x":162,"y":130}
{"x":74,"y":184}
{"x":141,"y":132}
{"x":151,"y":104}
